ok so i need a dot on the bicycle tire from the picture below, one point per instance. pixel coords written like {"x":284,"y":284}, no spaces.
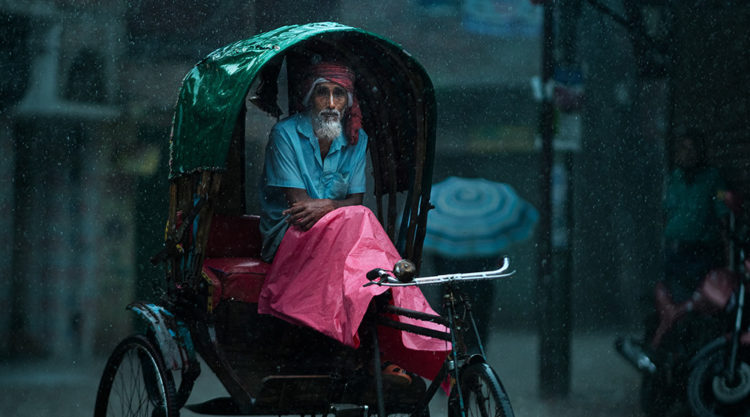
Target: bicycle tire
{"x":135,"y":382}
{"x":483,"y":393}
{"x":700,"y":391}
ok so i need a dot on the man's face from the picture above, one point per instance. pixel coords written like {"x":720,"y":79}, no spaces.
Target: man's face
{"x":686,"y":155}
{"x":328,"y":97}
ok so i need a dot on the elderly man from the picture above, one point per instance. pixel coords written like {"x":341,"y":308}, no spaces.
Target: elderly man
{"x":319,"y":237}
{"x":311,"y":168}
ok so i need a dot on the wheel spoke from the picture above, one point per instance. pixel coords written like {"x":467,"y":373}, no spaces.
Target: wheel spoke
{"x":484,"y":396}
{"x":136,"y":382}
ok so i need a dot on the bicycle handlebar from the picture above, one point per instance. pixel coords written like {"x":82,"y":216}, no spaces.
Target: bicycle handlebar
{"x":385,"y":278}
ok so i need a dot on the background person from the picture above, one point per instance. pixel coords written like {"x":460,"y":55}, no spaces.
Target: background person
{"x":694,"y":211}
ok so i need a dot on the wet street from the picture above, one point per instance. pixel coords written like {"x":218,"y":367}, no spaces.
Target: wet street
{"x":602,"y":384}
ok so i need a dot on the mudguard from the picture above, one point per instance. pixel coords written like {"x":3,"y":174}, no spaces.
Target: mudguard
{"x":708,"y":349}
{"x":475,"y":358}
{"x":172,"y":335}
{"x":717,"y":344}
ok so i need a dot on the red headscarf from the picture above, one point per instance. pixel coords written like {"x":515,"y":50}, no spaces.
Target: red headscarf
{"x":343,"y":76}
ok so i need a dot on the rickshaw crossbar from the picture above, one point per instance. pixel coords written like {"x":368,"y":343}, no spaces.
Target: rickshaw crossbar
{"x":415,"y":314}
{"x":414,"y":329}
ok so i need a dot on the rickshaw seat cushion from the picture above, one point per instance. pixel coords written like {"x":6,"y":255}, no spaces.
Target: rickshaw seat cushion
{"x":232,"y":262}
{"x":239,"y":279}
{"x":234,"y":237}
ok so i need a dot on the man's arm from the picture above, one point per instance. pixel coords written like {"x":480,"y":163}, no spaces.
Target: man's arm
{"x":304,"y":212}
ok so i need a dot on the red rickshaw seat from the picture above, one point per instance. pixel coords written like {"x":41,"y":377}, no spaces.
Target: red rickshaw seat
{"x":233,"y":264}
{"x":234,"y":237}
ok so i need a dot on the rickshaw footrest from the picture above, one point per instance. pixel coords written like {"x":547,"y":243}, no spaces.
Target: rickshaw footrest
{"x":221,"y":406}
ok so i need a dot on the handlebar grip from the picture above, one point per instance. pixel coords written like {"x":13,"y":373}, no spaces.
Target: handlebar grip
{"x":375,"y":274}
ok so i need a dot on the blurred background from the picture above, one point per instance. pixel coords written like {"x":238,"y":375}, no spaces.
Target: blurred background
{"x":86,"y":98}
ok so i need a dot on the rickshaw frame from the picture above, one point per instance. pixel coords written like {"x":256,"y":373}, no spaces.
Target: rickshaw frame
{"x":207,"y":178}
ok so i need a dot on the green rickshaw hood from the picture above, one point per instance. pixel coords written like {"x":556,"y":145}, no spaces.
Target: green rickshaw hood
{"x":213,"y":92}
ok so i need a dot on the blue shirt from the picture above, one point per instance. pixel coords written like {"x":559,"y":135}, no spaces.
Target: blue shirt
{"x":694,"y":208}
{"x":293,"y":161}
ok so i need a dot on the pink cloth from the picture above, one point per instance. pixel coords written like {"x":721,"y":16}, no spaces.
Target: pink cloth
{"x":316,"y":280}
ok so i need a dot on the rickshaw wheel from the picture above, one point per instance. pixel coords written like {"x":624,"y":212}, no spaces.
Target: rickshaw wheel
{"x":483,"y":394}
{"x":136,"y":382}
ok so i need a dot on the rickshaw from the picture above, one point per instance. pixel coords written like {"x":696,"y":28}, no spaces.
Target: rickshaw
{"x":214,"y":273}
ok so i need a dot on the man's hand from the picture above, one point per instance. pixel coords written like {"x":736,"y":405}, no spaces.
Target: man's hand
{"x":304,"y":214}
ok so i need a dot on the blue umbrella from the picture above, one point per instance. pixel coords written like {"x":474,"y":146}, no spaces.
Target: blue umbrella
{"x":476,"y":217}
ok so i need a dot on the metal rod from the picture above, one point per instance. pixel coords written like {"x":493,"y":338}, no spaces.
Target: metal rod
{"x":447,"y":336}
{"x":476,"y":331}
{"x":736,"y":332}
{"x":553,"y":370}
{"x":451,"y":314}
{"x":415,"y":314}
{"x":501,"y":272}
{"x":377,"y":371}
{"x":470,"y":276}
{"x":431,"y":390}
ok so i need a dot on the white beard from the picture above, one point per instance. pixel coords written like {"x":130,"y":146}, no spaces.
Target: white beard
{"x":327,"y":124}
